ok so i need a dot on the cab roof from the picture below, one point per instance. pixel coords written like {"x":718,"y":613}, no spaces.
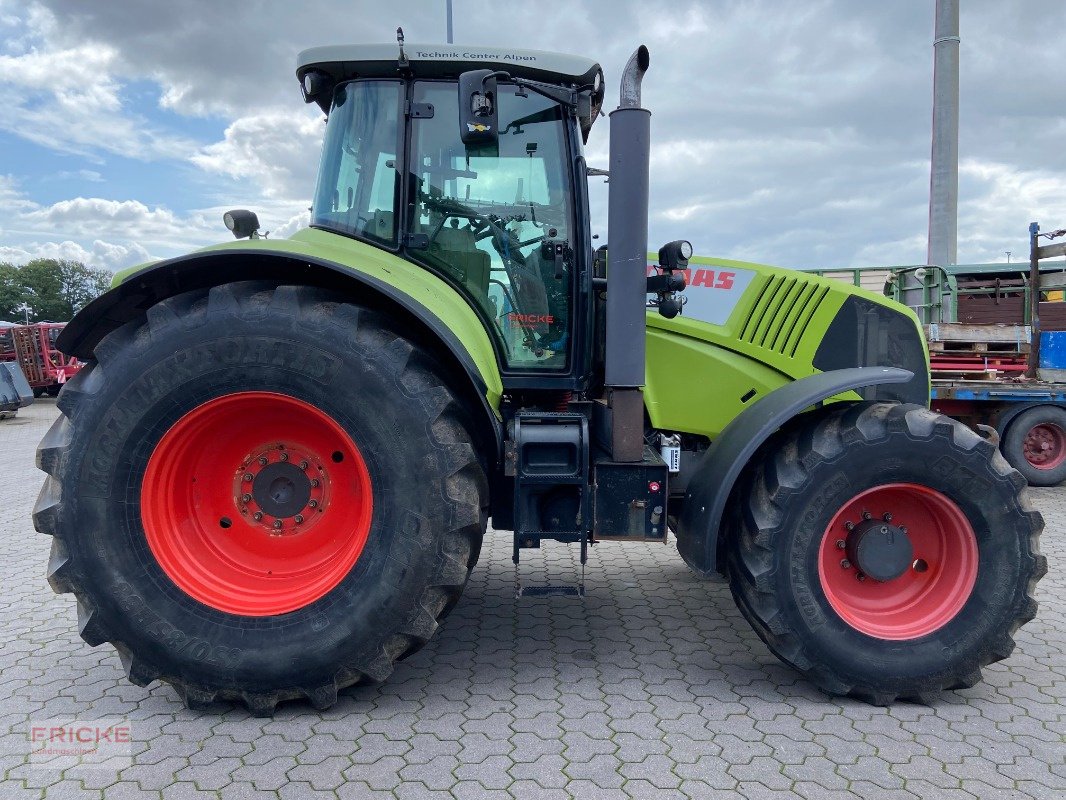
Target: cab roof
{"x":343,"y":62}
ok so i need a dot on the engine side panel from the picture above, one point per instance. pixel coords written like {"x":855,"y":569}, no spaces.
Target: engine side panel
{"x":748,"y":329}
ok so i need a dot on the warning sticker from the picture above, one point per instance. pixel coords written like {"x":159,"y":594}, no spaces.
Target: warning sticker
{"x":711,"y":292}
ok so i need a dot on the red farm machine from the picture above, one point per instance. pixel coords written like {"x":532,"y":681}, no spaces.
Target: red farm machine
{"x":33,"y":347}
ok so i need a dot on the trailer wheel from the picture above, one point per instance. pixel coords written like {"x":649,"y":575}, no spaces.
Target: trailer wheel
{"x":260,"y":493}
{"x":1035,"y":445}
{"x":885,"y":551}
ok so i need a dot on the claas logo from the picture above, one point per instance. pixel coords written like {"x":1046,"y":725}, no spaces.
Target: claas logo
{"x":478,"y":127}
{"x":705,"y":278}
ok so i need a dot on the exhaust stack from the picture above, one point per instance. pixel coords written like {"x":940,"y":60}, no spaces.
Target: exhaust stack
{"x":627,"y":243}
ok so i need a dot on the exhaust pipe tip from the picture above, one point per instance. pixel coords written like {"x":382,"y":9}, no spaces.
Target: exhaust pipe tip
{"x":632,"y":74}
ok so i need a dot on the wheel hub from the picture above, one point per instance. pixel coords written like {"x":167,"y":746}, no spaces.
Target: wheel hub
{"x":1045,"y":446}
{"x":879,"y":549}
{"x":281,"y":488}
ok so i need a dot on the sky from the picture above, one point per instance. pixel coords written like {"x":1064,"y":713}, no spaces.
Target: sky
{"x":791,"y":133}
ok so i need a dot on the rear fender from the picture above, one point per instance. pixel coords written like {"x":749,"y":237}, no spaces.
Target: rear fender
{"x":131,"y":299}
{"x":714,"y":476}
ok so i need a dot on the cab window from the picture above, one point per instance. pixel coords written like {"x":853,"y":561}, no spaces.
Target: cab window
{"x":485,"y":217}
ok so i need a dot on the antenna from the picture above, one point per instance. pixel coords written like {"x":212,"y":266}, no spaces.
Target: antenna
{"x":449,"y":7}
{"x":402,"y":61}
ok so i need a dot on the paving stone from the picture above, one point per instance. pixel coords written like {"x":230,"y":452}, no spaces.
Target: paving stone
{"x":651,"y":686}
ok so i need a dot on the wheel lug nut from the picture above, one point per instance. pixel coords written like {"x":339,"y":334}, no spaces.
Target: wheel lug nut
{"x":902,"y":529}
{"x":841,"y":544}
{"x":299,"y":518}
{"x":247,"y":498}
{"x":284,"y":456}
{"x":866,"y":515}
{"x":313,"y":504}
{"x":247,"y":476}
{"x":262,"y":461}
{"x":849,"y":525}
{"x":303,"y":465}
{"x":886,"y":517}
{"x":277,"y":524}
{"x":860,"y":576}
{"x":314,"y":483}
{"x":845,"y":564}
{"x":257,"y":516}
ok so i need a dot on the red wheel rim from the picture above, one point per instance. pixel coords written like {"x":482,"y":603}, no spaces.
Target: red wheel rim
{"x":256,"y":503}
{"x":936,"y":581}
{"x":1045,"y":445}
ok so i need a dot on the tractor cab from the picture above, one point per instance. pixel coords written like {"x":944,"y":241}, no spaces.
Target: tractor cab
{"x":473,"y":174}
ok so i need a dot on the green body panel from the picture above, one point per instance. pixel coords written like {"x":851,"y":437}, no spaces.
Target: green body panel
{"x":701,"y":375}
{"x":420,"y":284}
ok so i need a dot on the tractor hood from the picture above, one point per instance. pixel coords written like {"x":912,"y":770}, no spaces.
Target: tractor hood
{"x":752,"y":328}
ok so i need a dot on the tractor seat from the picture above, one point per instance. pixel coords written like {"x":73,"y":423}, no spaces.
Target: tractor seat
{"x":468,"y":264}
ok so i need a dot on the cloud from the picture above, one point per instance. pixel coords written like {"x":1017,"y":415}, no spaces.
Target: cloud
{"x":999,"y":202}
{"x":100,"y":254}
{"x":69,"y":98}
{"x":277,"y":150}
{"x":88,"y":213}
{"x":12,"y":200}
{"x":88,"y":175}
{"x":798,"y":137}
{"x":98,"y":231}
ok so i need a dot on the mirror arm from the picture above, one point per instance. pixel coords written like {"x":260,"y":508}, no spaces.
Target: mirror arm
{"x":566,"y":97}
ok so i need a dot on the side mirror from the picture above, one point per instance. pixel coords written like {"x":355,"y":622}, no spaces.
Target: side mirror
{"x":478,"y":116}
{"x":242,"y":223}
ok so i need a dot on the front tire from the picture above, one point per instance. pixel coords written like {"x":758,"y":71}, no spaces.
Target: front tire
{"x":260,"y":493}
{"x":885,"y":551}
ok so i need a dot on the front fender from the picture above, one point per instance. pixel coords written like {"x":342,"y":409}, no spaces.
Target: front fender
{"x":713,"y":478}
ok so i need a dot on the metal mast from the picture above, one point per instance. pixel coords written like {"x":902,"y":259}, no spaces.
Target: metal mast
{"x":944,"y":166}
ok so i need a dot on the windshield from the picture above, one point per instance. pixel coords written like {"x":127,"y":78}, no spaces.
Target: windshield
{"x":358,"y":184}
{"x":498,"y":221}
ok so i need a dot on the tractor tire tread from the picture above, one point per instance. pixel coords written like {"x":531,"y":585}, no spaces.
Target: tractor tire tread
{"x":467,"y":486}
{"x":783,"y":474}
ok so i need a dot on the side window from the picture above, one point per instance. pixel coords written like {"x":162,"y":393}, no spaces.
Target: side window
{"x":486,"y":217}
{"x":358,"y":183}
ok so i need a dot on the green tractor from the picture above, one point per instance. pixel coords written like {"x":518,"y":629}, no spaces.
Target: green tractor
{"x":272,"y":479}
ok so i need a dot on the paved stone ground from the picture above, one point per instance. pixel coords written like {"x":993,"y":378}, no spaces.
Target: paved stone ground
{"x":652,"y":686}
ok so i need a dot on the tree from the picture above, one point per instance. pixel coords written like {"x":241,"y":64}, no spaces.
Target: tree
{"x":48,"y":289}
{"x":12,"y":293}
{"x":55,"y":290}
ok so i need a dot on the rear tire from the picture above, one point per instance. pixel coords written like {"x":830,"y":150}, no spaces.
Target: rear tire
{"x":118,"y":494}
{"x":951,"y":605}
{"x":1035,"y":445}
